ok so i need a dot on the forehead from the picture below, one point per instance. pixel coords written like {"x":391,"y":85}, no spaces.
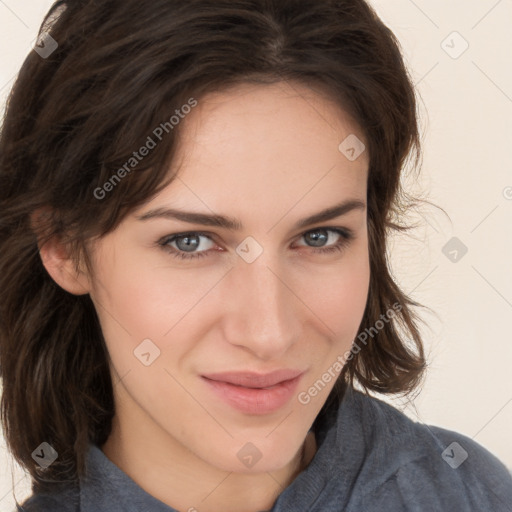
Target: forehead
{"x":265,"y":146}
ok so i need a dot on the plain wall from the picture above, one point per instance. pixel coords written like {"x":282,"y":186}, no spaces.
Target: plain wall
{"x":466,"y":114}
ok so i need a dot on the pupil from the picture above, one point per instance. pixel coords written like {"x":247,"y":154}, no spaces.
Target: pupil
{"x":188,"y":247}
{"x":318,"y":236}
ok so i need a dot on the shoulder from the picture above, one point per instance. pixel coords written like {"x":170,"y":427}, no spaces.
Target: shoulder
{"x":62,"y":501}
{"x":418,"y":464}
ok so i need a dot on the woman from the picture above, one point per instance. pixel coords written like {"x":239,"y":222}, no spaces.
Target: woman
{"x":196,"y":301}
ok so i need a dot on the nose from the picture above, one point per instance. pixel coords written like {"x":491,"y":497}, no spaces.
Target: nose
{"x":262,"y":313}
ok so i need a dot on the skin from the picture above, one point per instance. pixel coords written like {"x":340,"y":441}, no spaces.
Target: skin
{"x":267,"y":155}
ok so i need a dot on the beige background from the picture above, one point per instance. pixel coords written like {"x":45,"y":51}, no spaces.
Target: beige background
{"x":467,"y":170}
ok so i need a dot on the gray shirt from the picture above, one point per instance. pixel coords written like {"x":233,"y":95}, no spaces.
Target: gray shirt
{"x":370,"y":458}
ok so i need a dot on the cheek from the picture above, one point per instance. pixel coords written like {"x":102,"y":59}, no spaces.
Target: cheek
{"x":136,"y":302}
{"x":338,"y":297}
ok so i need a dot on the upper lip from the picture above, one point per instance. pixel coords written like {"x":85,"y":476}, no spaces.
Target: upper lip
{"x":255,"y":380}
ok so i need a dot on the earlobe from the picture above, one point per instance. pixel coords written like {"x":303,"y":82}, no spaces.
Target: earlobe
{"x":57,"y":261}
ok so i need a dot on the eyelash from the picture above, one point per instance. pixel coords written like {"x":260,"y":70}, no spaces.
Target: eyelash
{"x":345,"y":238}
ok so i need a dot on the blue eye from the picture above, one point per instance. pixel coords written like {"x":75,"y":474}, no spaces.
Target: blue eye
{"x":192,"y":240}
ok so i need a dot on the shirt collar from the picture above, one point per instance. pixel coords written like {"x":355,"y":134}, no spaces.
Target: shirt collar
{"x":107,"y":487}
{"x":340,"y":453}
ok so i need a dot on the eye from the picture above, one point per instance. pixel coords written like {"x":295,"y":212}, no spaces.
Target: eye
{"x":184,"y":245}
{"x":320,"y":236}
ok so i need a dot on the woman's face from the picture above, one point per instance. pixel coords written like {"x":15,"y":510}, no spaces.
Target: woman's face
{"x":255,"y":299}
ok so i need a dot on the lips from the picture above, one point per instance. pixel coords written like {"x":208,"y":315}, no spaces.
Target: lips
{"x":253,"y":393}
{"x":255,"y":380}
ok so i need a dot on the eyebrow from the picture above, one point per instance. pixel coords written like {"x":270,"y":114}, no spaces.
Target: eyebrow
{"x":231,"y":224}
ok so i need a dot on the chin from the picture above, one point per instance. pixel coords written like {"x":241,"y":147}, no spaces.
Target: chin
{"x":256,"y":456}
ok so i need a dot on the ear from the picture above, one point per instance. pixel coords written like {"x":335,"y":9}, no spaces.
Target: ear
{"x":56,"y":259}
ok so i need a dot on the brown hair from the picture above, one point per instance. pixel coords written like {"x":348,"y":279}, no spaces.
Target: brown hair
{"x":75,"y":116}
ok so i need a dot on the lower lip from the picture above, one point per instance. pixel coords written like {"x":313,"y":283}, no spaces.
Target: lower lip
{"x":254,"y":400}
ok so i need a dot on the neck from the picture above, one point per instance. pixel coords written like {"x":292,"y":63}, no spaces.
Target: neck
{"x":171,"y":474}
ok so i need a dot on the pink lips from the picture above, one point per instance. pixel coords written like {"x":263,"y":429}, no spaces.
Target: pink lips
{"x":254,"y":393}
